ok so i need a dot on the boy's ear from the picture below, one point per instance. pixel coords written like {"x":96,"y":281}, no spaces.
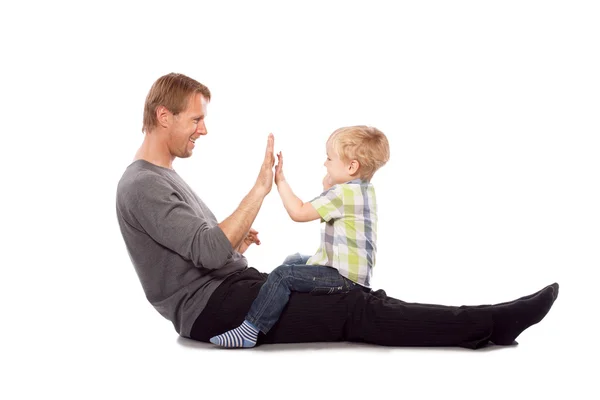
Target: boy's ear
{"x":353,"y":167}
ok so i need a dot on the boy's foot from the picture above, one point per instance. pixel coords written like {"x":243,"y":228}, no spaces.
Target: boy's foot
{"x":511,"y":319}
{"x":244,"y":335}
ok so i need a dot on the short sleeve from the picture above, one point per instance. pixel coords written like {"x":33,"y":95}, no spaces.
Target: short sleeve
{"x":329,"y":204}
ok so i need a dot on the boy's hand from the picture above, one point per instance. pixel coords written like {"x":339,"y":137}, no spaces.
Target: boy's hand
{"x":279,"y":169}
{"x":251,"y":237}
{"x":326,"y":182}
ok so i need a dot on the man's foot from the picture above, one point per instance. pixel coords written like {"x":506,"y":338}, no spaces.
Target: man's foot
{"x":244,"y":335}
{"x":511,"y":319}
{"x":554,"y":285}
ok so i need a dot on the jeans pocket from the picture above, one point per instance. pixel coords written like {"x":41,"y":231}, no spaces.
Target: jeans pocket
{"x":318,"y":291}
{"x":350,"y":285}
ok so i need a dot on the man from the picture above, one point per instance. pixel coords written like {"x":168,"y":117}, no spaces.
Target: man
{"x":193,"y":271}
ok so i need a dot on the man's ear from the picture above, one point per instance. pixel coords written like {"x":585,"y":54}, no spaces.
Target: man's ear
{"x":353,"y":167}
{"x":163,"y":116}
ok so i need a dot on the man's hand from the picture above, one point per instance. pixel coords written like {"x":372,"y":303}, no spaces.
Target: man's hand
{"x":279,"y":169}
{"x":238,"y":225}
{"x":251,"y":237}
{"x":264,"y":182}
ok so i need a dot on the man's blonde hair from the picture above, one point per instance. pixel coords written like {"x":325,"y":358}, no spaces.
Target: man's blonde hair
{"x":171,"y":91}
{"x":365,"y":144}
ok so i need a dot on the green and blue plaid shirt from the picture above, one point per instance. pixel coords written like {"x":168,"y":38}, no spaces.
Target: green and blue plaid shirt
{"x":349,"y":235}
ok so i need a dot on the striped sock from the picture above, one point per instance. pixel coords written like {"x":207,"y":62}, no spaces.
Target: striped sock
{"x":243,"y":336}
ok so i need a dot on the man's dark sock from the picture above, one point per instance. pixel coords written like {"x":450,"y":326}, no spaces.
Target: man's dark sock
{"x":554,"y":285}
{"x":511,"y":319}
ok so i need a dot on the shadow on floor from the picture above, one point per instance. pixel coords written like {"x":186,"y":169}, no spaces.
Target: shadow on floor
{"x":336,"y":346}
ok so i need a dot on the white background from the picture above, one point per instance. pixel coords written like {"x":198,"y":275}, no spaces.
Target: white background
{"x":491,"y":193}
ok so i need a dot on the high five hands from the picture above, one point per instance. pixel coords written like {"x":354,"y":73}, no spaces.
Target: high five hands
{"x":264,"y":183}
{"x":266,"y":176}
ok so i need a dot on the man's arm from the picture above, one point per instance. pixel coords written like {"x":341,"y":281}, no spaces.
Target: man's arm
{"x":149,"y":203}
{"x":237,"y":225}
{"x":296,"y":208}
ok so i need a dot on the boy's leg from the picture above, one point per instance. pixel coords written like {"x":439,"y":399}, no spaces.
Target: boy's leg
{"x":273,"y":298}
{"x":275,"y":293}
{"x":296,"y":259}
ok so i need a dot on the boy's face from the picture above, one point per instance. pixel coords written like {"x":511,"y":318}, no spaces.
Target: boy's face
{"x":338,"y":171}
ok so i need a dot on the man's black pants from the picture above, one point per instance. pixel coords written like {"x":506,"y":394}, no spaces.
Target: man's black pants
{"x":357,"y":316}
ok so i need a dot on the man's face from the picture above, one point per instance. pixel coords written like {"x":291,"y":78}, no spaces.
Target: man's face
{"x":188,"y":126}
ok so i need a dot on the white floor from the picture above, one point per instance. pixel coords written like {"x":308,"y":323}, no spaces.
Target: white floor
{"x":131,"y":352}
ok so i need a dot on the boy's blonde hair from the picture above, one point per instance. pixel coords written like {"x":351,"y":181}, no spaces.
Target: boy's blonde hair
{"x":365,"y":144}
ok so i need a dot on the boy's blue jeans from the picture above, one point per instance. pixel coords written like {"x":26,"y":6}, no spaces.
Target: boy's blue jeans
{"x":293,"y":276}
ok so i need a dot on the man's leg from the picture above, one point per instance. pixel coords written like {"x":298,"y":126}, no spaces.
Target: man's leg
{"x":359,"y":316}
{"x":353,"y":317}
{"x":378,"y":319}
{"x":228,"y":305}
{"x":382,"y":293}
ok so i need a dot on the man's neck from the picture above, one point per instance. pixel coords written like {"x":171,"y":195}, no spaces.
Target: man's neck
{"x":155,"y":152}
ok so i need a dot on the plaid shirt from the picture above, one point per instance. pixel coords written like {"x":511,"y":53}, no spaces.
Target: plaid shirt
{"x":349,"y":235}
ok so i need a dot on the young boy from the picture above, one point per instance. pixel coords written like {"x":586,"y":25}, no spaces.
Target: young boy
{"x":346,"y":256}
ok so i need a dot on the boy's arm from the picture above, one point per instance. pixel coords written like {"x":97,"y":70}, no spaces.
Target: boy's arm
{"x":296,"y":208}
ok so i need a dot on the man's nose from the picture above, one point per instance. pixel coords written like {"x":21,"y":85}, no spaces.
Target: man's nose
{"x":201,"y":128}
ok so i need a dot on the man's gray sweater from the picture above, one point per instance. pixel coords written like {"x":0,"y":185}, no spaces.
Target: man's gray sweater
{"x":179,"y":252}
